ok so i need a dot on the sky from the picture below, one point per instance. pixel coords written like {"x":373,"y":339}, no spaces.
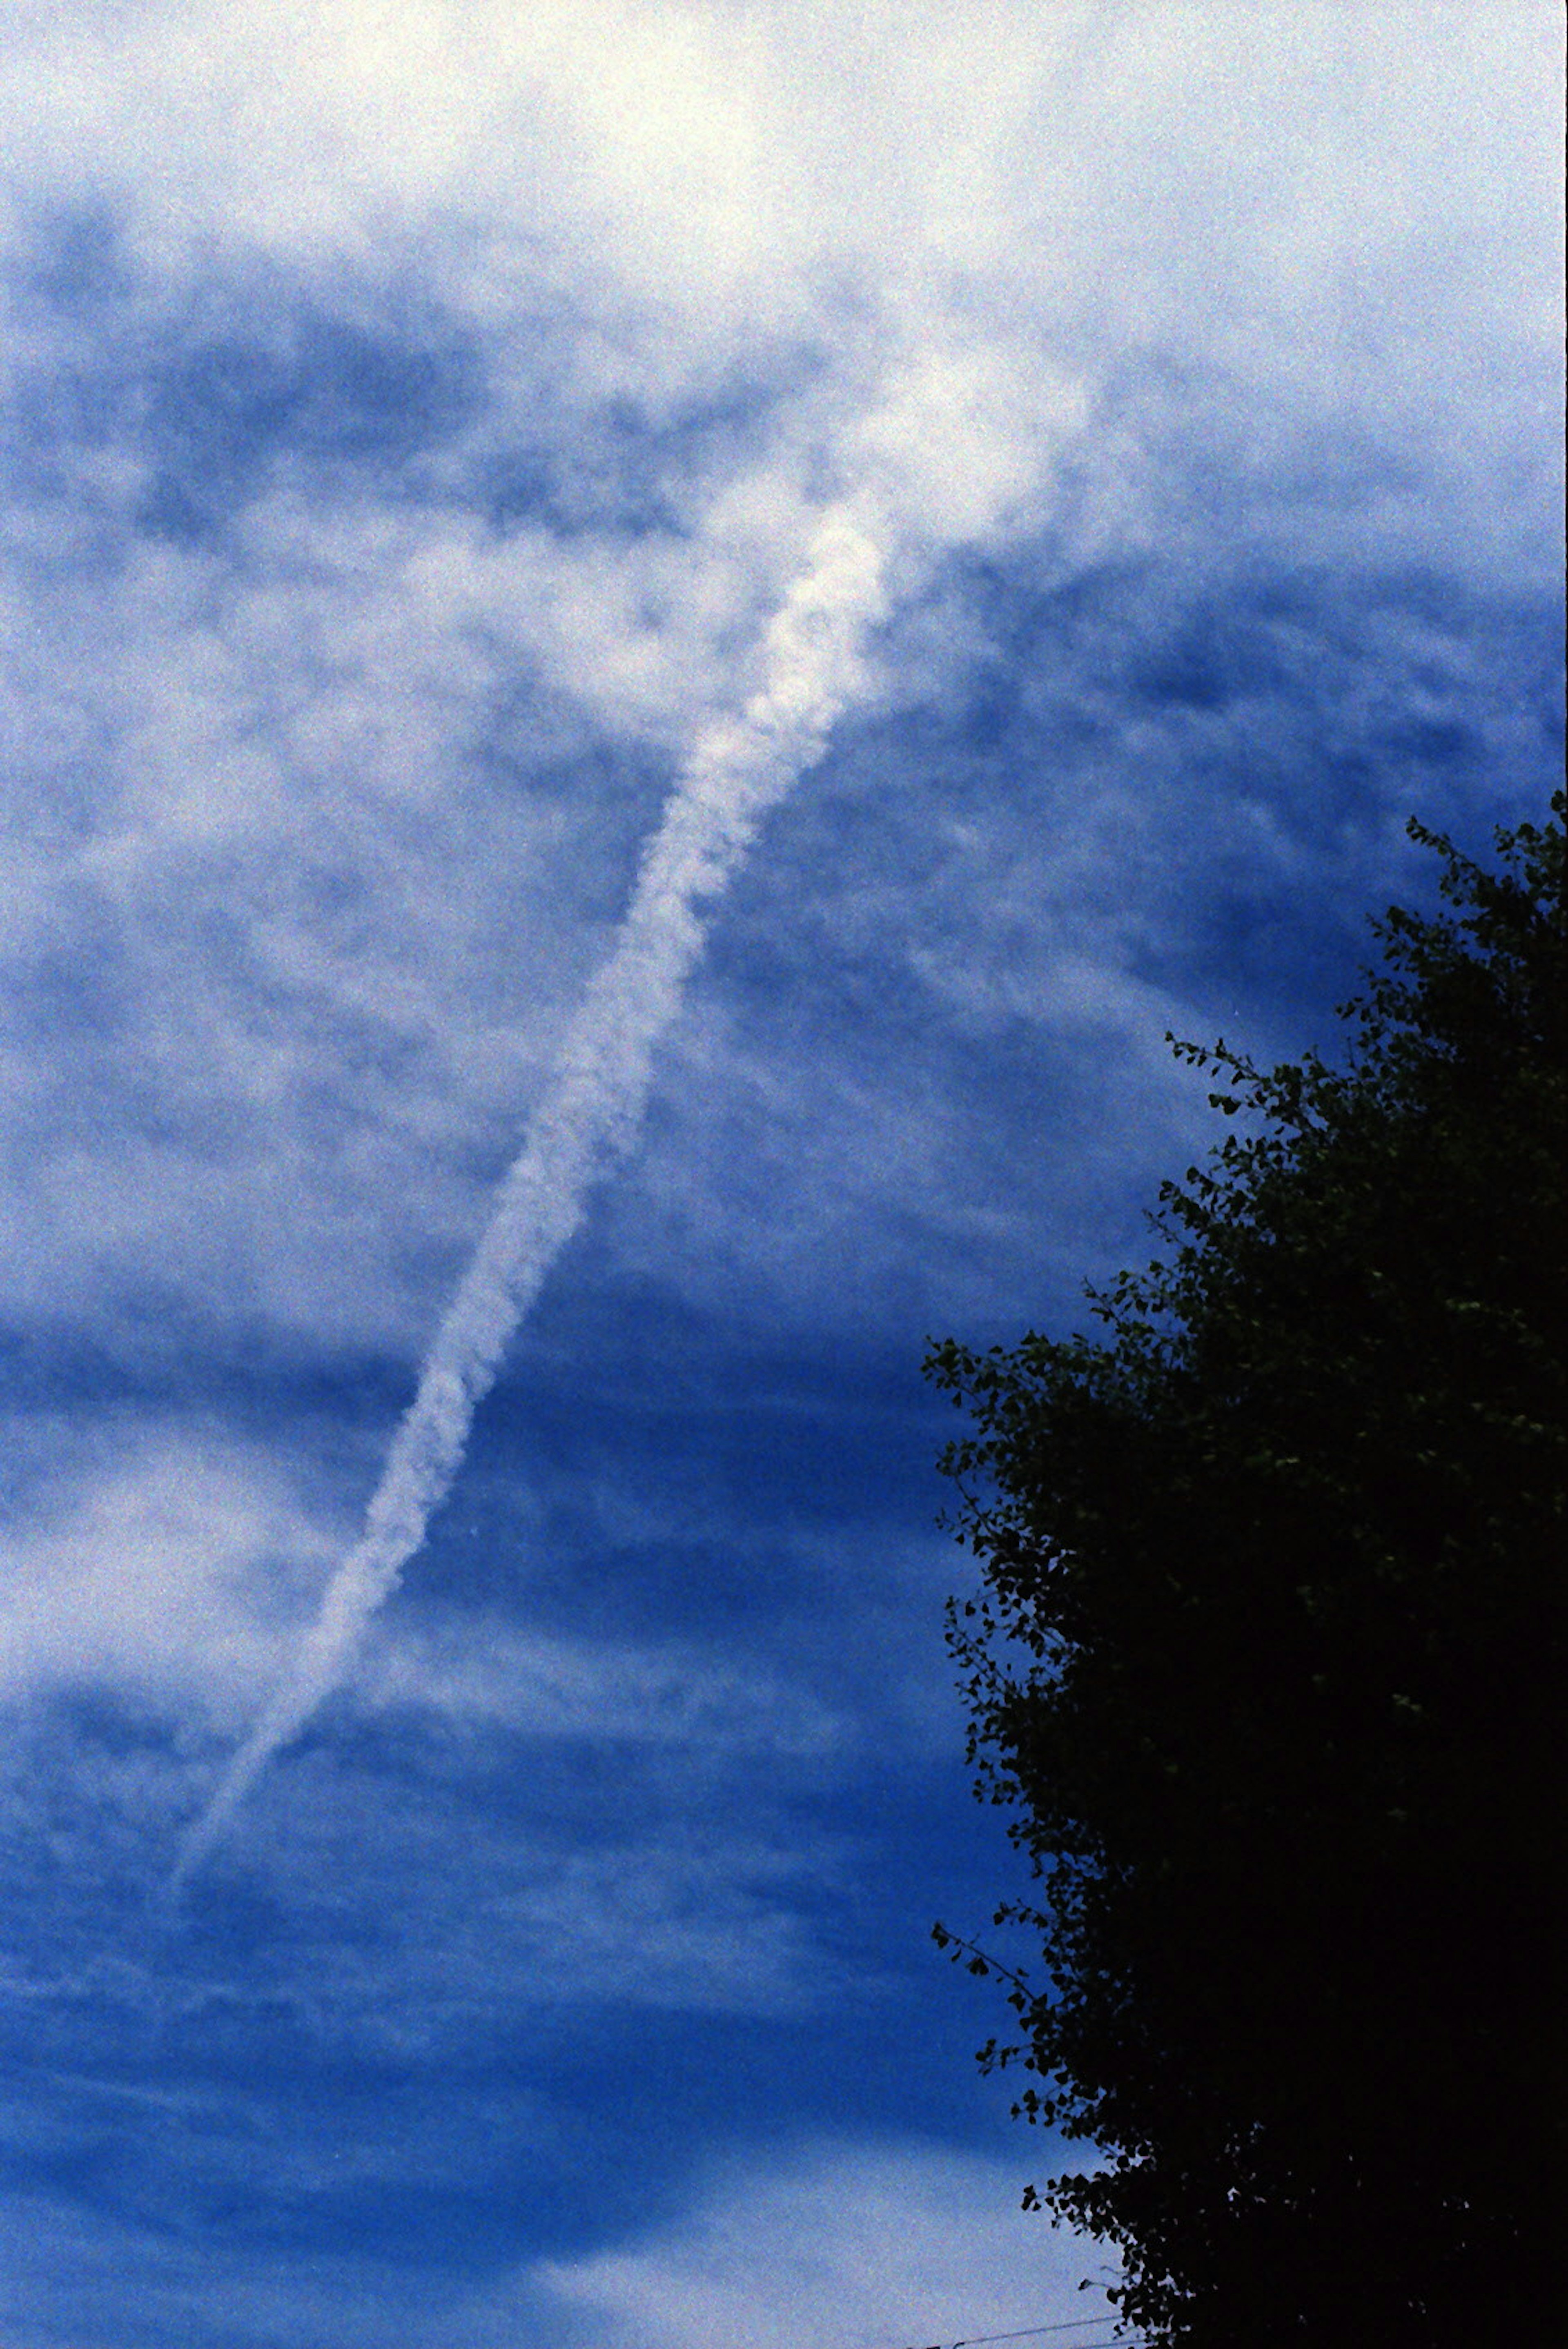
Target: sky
{"x":647,"y":650}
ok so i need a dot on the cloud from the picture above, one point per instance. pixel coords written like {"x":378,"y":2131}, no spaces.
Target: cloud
{"x":898,"y":508}
{"x":170,"y":1568}
{"x":608,"y":1796}
{"x":846,"y":2246}
{"x":408,"y":467}
{"x":490,"y":1674}
{"x":592,"y":1110}
{"x":851,"y":2246}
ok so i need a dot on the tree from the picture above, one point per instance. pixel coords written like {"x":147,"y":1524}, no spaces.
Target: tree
{"x":1267,"y":1659}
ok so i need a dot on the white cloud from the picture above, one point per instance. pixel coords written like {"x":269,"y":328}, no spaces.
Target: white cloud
{"x":171,"y":1567}
{"x":841,"y":2247}
{"x":340,"y":809}
{"x":539,"y":1687}
{"x":429,"y":1875}
{"x":323,"y":819}
{"x":422,"y":1910}
{"x":846,"y":2247}
{"x":1355,"y":204}
{"x":171,"y":1570}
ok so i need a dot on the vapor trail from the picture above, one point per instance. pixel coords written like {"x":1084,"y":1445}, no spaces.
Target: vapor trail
{"x":591,"y":1112}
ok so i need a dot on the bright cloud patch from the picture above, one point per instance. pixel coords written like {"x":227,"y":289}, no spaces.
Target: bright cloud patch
{"x":848,"y":2248}
{"x":174,"y":1573}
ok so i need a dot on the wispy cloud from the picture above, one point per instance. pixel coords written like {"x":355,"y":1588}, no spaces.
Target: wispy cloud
{"x":812,"y":664}
{"x":486,"y":1674}
{"x":854,"y":2247}
{"x":591,"y":1111}
{"x":170,"y":1568}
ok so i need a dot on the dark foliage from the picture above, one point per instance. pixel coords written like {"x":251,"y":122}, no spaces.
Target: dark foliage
{"x":1268,"y":1658}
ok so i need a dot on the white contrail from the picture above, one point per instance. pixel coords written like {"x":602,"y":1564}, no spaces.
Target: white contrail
{"x":590,"y":1113}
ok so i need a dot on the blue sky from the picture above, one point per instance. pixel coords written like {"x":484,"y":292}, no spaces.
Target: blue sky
{"x":1041,"y":496}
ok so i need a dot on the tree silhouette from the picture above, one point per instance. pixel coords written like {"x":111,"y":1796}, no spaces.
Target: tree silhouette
{"x":1267,"y":1658}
